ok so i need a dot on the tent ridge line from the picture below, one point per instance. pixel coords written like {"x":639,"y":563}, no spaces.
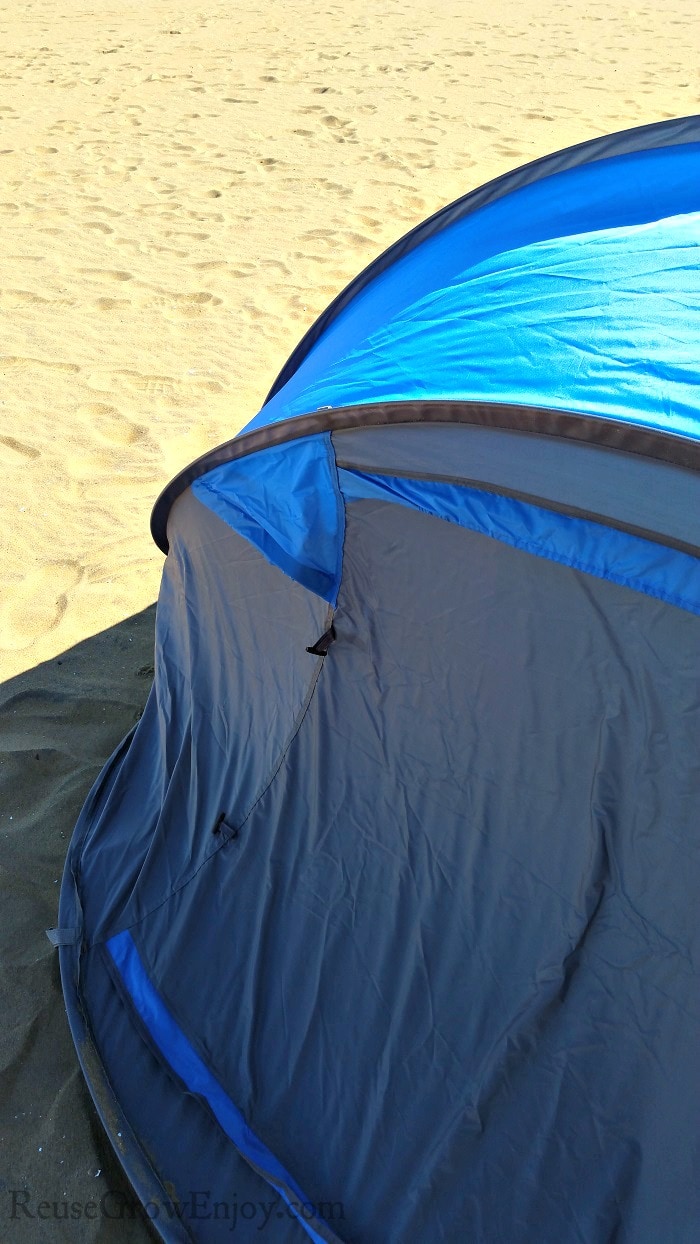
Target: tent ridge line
{"x":632,"y":438}
{"x":545,"y":503}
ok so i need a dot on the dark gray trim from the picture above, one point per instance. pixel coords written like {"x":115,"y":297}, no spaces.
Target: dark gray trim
{"x":136,"y":1167}
{"x":625,"y":142}
{"x":568,"y":425}
{"x":319,"y":1225}
{"x":544,"y":503}
{"x":648,"y":498}
{"x":132,"y":1158}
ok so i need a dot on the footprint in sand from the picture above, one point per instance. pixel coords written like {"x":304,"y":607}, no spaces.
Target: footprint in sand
{"x":210,"y":265}
{"x":185,"y":233}
{"x":162,"y":386}
{"x":184,"y":304}
{"x":112,"y":304}
{"x":38,"y":603}
{"x":16,"y":453}
{"x":110,"y":425}
{"x":19,"y":298}
{"x":165,"y":250}
{"x":107,"y":274}
{"x":16,"y":362}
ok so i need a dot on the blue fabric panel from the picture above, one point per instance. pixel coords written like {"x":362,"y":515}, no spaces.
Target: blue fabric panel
{"x":631,"y":561}
{"x":184,"y":1145}
{"x":285,"y":501}
{"x":578,"y":292}
{"x":190,"y":1068}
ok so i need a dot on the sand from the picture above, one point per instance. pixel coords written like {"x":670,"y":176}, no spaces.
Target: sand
{"x":184,"y":188}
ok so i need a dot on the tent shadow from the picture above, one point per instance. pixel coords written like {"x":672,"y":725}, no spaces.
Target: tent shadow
{"x":59,"y":722}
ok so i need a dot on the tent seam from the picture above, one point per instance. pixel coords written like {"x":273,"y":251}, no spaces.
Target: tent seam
{"x":142,"y":1029}
{"x":574,"y":563}
{"x":340,"y":507}
{"x":240,"y":821}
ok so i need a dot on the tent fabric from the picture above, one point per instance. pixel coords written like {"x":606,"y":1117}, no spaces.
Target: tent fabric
{"x":151,"y":834}
{"x":384,"y":914}
{"x":603,"y":322}
{"x":286,"y":503}
{"x":198,"y":1079}
{"x":641,"y":139}
{"x":236,"y":493}
{"x":205,"y":1172}
{"x":488,"y":927}
{"x":622,"y":489}
{"x":614,"y":555}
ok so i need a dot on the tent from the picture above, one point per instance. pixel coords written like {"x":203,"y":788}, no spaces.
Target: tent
{"x":381,"y":925}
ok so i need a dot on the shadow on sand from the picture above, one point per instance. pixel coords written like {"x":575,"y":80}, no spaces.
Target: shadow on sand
{"x":58,"y":724}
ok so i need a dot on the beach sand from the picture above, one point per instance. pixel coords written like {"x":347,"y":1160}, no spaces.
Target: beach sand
{"x":183,"y":189}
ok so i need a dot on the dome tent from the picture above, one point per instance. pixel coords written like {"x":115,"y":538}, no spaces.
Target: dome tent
{"x":380,"y":925}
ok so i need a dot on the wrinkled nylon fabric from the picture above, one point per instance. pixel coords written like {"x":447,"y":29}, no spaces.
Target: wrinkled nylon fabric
{"x":622,"y":558}
{"x":231,"y":679}
{"x":426,"y":327}
{"x":195,"y":1075}
{"x":642,"y":493}
{"x":205,"y":1172}
{"x":601,"y":322}
{"x":455,"y":934}
{"x":285,"y":501}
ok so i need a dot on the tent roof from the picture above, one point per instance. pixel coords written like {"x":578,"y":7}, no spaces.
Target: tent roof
{"x":560,"y":299}
{"x":638,"y":139}
{"x":577,"y":293}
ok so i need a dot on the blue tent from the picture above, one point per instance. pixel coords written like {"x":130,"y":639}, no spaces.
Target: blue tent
{"x":381,"y":925}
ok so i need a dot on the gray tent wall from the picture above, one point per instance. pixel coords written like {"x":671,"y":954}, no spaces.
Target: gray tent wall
{"x":447,"y":925}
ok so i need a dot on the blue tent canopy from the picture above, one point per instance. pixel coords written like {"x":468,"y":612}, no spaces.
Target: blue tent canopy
{"x":598,"y":319}
{"x":383,"y":918}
